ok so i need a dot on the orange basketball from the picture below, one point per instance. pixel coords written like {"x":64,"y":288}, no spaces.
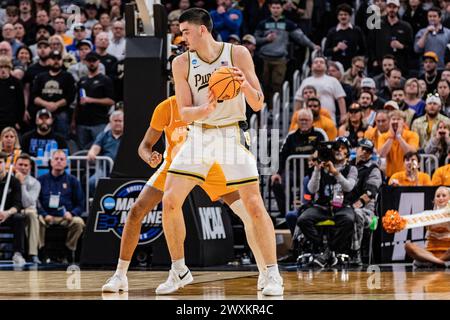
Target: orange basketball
{"x":223,"y":84}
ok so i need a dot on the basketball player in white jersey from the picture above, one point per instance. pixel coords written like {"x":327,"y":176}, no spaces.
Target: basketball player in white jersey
{"x":214,"y":136}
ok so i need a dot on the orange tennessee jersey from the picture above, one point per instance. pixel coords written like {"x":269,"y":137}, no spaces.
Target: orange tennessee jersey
{"x":167,"y":118}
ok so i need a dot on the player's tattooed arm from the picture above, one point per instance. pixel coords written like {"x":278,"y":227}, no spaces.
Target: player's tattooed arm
{"x":250,"y":85}
{"x":259,"y":95}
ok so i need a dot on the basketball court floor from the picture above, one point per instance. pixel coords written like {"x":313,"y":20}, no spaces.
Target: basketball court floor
{"x":382,"y":282}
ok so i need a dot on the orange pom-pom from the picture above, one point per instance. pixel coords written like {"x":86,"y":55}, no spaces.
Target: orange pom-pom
{"x":393,"y":222}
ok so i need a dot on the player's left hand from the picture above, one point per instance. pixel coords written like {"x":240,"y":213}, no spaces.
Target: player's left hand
{"x":155,"y":159}
{"x":240,"y":76}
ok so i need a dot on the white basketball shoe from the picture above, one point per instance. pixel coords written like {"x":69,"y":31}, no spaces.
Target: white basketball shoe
{"x":175,"y":281}
{"x":274,"y":284}
{"x":262,"y":280}
{"x":115,"y":284}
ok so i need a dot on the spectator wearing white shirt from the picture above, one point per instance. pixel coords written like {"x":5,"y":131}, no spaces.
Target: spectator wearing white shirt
{"x":30,"y":193}
{"x":117,"y":44}
{"x":328,"y":89}
{"x":91,"y":14}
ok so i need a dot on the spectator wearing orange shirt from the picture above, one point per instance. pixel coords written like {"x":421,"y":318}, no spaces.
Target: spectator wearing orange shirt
{"x":308,"y":92}
{"x":395,"y":143}
{"x":381,"y":126}
{"x":411,"y":176}
{"x":320,"y":121}
{"x":441,"y":176}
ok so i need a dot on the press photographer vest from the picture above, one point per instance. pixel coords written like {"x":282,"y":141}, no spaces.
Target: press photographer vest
{"x":326,"y":187}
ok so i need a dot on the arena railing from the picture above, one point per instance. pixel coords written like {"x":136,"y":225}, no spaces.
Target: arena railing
{"x":81,"y":168}
{"x":276,"y":111}
{"x":295,"y":171}
{"x":305,"y":66}
{"x":428,"y":163}
{"x":285,"y":107}
{"x":295,"y":82}
{"x":264,"y":117}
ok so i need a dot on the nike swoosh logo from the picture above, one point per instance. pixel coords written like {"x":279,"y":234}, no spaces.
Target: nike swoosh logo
{"x":195,"y":67}
{"x":184,"y":275}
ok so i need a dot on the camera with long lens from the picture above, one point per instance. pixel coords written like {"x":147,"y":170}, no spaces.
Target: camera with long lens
{"x":325,"y":151}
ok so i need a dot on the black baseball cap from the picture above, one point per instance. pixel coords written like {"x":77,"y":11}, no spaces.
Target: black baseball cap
{"x":92,"y":56}
{"x":55,"y":54}
{"x":79,"y":26}
{"x":366,"y":143}
{"x":84,"y":42}
{"x":43,"y":112}
{"x":48,"y":28}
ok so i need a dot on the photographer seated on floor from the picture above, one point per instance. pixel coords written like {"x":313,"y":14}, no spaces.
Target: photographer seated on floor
{"x":331,"y":182}
{"x":363,"y":195}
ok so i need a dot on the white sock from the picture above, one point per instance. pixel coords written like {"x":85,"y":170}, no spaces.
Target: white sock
{"x":272,"y":268}
{"x":179,"y":265}
{"x":122,"y":268}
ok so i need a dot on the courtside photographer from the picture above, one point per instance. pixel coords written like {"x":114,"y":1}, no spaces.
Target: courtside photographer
{"x":332,"y":181}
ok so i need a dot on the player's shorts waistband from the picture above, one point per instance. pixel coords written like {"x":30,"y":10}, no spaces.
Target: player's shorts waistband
{"x":242,"y":124}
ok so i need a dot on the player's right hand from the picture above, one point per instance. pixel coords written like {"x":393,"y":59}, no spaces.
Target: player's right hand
{"x":212,"y":103}
{"x":155,"y":159}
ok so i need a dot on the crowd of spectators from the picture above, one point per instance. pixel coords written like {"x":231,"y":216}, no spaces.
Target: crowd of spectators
{"x":61,"y":79}
{"x":378,"y":86}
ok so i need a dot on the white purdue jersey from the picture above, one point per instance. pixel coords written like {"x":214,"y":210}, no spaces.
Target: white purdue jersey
{"x":226,"y":112}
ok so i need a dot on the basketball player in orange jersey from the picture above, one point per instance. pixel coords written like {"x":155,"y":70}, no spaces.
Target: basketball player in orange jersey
{"x":166,"y":118}
{"x":215,"y":136}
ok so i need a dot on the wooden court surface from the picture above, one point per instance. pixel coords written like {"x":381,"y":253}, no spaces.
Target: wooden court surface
{"x":398,"y":284}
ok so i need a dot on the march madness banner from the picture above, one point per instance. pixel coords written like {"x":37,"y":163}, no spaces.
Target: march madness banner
{"x":209,"y":234}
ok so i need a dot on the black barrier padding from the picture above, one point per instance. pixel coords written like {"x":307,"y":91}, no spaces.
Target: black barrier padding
{"x":205,"y":244}
{"x":144,"y":88}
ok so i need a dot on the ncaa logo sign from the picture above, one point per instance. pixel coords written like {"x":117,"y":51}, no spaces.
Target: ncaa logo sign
{"x":115,"y":208}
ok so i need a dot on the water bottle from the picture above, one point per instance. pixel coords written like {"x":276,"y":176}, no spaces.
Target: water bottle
{"x":344,"y":53}
{"x":352,"y":154}
{"x":393,"y":39}
{"x":47,"y":154}
{"x":82,"y":93}
{"x":338,"y":196}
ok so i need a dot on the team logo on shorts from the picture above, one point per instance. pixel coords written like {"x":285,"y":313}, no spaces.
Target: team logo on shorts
{"x":114,"y":209}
